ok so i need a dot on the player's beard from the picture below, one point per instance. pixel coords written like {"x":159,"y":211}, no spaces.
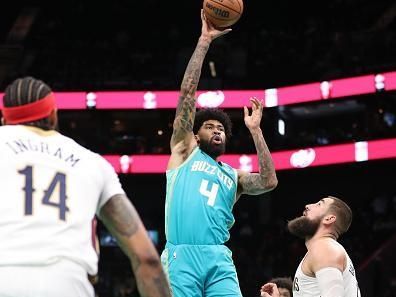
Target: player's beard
{"x":303,"y":227}
{"x":213,"y":150}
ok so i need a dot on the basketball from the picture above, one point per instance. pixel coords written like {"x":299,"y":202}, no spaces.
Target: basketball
{"x":223,"y":13}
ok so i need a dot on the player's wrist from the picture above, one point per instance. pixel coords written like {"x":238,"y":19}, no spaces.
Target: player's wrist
{"x":205,"y":39}
{"x":255,"y":130}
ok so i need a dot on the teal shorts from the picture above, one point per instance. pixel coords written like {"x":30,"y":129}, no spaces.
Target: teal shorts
{"x":200,"y":270}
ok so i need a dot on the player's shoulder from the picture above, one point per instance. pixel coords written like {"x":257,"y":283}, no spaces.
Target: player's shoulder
{"x":326,"y":252}
{"x":325,"y":245}
{"x":9,"y":132}
{"x":9,"y":129}
{"x":230,"y":169}
{"x":226,"y":165}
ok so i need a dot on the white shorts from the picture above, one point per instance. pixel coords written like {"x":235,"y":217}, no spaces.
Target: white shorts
{"x":61,"y":279}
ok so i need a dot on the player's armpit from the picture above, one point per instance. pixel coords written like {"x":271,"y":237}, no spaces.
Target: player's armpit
{"x":123,"y":222}
{"x":180,"y":152}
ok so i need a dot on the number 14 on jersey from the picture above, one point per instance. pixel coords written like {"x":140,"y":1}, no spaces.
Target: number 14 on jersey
{"x":59,"y":179}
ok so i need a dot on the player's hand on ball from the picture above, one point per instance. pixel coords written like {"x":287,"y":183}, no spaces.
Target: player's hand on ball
{"x":253,"y":121}
{"x":269,"y":290}
{"x":208,"y":31}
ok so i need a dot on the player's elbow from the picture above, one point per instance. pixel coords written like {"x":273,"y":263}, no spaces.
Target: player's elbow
{"x":271,"y":183}
{"x":266,"y":185}
{"x":149,"y":265}
{"x":150,"y":260}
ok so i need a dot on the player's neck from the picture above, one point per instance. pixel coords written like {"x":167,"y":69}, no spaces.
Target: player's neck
{"x":320,"y":235}
{"x":41,"y":131}
{"x":209,"y":154}
{"x":213,"y":157}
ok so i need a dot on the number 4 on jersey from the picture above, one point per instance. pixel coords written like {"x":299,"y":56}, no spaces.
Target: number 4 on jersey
{"x":59,"y":179}
{"x":212,"y":194}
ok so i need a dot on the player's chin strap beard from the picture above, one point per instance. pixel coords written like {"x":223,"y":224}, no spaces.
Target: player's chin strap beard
{"x":213,"y":151}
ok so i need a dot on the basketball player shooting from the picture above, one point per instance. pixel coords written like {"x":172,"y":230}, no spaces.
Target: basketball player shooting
{"x":51,"y":190}
{"x":201,"y":191}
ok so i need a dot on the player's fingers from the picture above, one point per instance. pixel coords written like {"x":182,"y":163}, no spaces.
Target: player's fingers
{"x":255,"y":105}
{"x":271,"y":289}
{"x":258,"y":101}
{"x":261,"y":104}
{"x":205,"y":21}
{"x":225,"y":31}
{"x":268,"y":287}
{"x":246,"y":111}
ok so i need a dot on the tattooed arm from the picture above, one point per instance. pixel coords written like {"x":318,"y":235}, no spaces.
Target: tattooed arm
{"x":122,"y":220}
{"x":185,"y":112}
{"x":265,"y":180}
{"x":183,"y":141}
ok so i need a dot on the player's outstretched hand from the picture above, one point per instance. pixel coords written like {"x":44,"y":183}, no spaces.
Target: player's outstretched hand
{"x":269,"y":290}
{"x":253,"y":121}
{"x":208,"y":31}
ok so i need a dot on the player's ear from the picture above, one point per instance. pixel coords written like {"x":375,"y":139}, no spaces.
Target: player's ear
{"x":53,"y":117}
{"x":196,"y":136}
{"x":329,"y":219}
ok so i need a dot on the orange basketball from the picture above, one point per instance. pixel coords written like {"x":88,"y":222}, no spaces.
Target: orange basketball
{"x":223,"y":13}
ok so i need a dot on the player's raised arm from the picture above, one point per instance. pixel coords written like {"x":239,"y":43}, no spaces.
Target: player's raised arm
{"x":122,"y":220}
{"x":185,"y":112}
{"x":265,"y":180}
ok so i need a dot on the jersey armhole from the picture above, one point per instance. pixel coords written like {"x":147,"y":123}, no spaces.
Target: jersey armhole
{"x":185,"y":161}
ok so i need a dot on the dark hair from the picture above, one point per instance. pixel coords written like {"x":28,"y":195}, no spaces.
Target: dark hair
{"x":24,"y":91}
{"x":343,"y":214}
{"x":283,"y":282}
{"x":207,"y":114}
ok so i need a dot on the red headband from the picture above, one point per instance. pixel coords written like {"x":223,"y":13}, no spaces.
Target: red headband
{"x":37,"y":110}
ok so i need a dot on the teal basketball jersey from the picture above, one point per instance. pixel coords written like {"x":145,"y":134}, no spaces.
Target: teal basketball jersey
{"x":200,"y":195}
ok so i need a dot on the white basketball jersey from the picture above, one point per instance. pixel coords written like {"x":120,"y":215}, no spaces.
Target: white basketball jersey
{"x":306,"y":286}
{"x":50,"y":189}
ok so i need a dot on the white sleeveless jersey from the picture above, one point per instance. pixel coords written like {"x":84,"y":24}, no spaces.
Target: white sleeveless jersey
{"x":50,"y":190}
{"x":306,"y":286}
